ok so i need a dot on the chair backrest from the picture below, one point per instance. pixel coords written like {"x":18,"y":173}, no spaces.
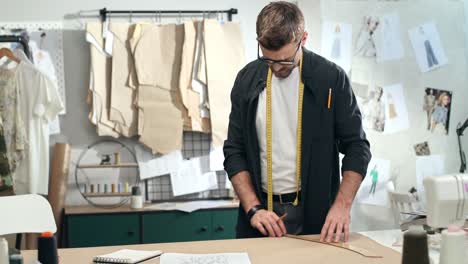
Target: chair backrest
{"x":29,"y":213}
{"x":402,"y":203}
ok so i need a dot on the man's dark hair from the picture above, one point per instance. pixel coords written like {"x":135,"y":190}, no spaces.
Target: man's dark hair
{"x":278,"y":24}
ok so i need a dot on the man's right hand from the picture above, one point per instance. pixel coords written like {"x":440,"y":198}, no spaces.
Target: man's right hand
{"x":268,"y":223}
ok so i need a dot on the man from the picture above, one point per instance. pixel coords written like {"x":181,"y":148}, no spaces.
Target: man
{"x":312,"y":201}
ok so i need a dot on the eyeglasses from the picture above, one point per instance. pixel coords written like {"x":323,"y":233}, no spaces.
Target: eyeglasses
{"x":280,"y":62}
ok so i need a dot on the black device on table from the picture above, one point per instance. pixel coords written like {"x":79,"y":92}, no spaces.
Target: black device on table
{"x":460,"y":130}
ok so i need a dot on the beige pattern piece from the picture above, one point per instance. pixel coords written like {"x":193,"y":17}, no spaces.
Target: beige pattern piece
{"x":100,"y":82}
{"x":225,"y":56}
{"x":157,"y":59}
{"x":122,"y":109}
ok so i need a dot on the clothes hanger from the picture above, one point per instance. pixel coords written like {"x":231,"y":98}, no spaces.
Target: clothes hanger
{"x":4,"y":52}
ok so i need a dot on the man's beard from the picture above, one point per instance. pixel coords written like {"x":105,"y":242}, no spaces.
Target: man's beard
{"x":283,"y":73}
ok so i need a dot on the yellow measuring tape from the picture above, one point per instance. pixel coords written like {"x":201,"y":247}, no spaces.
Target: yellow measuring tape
{"x":269,"y":138}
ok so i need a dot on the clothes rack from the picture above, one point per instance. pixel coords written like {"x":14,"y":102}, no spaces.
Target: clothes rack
{"x":104,"y":13}
{"x":17,"y":39}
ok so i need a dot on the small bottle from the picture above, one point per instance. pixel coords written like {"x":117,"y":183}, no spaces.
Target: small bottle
{"x":4,"y":258}
{"x":136,"y":199}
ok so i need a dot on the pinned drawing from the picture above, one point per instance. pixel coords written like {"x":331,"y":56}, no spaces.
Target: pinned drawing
{"x":427,"y":46}
{"x":337,"y":43}
{"x":437,"y":104}
{"x":365,"y":44}
{"x":373,"y":189}
{"x":373,"y":109}
{"x":422,"y":149}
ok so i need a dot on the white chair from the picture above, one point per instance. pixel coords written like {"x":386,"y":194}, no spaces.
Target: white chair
{"x":402,"y":204}
{"x":29,"y":213}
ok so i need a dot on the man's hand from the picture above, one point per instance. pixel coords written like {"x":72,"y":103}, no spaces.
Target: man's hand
{"x":268,"y":223}
{"x":336,"y":223}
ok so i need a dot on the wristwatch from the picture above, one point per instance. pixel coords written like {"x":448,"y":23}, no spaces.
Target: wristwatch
{"x":254,"y":210}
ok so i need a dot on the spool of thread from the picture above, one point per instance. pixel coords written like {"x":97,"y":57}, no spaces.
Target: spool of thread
{"x":415,"y":249}
{"x":127,"y":187}
{"x":119,"y":187}
{"x":452,"y":249}
{"x":105,"y":188}
{"x":4,"y":251}
{"x":98,"y":187}
{"x":113,"y":188}
{"x":117,"y":158}
{"x":85,"y":188}
{"x":91,"y":187}
{"x":136,"y":199}
{"x":47,"y":248}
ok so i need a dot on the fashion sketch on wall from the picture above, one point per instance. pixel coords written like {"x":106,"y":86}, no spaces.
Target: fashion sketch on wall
{"x":427,"y":46}
{"x":387,"y":36}
{"x":336,"y":44}
{"x":373,"y":109}
{"x":373,"y":189}
{"x":365,"y":44}
{"x":437,"y":105}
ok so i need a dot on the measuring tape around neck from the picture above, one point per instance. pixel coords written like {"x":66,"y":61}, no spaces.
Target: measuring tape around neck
{"x":269,"y":138}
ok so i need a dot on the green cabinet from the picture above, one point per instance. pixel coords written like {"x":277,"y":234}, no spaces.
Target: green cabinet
{"x":124,"y":228}
{"x":103,"y":230}
{"x":173,"y":226}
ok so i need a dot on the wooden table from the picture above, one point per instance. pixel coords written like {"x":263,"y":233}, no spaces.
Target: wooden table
{"x":260,"y":250}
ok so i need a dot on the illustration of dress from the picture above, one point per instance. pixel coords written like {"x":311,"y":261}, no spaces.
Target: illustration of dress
{"x":375,"y":177}
{"x":336,"y":48}
{"x":391,"y":108}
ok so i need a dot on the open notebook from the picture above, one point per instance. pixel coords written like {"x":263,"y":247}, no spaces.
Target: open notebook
{"x":127,"y":256}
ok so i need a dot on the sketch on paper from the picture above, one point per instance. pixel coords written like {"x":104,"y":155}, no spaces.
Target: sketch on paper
{"x":222,"y":258}
{"x":373,"y":189}
{"x":337,"y":43}
{"x":365,"y":44}
{"x":396,"y":112}
{"x":422,"y":149}
{"x":427,"y":166}
{"x":427,"y":47}
{"x":387,"y":36}
{"x":372,"y":107}
{"x":437,"y":105}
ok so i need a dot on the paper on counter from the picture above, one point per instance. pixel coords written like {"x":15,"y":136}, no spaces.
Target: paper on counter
{"x":153,"y":166}
{"x":191,"y":206}
{"x":427,"y":166}
{"x":428,"y":47}
{"x":193,"y":176}
{"x":217,"y":159}
{"x":337,"y":43}
{"x":220,"y":258}
{"x":396,"y":113}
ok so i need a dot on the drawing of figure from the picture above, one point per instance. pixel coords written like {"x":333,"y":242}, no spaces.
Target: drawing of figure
{"x":365,"y":45}
{"x":375,"y":177}
{"x":429,"y":103}
{"x":440,"y":114}
{"x":374,"y":110}
{"x":336,"y":47}
{"x":430,"y":55}
{"x":391,"y":107}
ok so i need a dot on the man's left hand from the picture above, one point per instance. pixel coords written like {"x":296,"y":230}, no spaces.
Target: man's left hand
{"x":336,"y":223}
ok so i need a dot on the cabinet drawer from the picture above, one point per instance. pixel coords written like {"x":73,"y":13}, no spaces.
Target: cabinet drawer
{"x":224,"y":223}
{"x":103,"y":230}
{"x":176,"y":226}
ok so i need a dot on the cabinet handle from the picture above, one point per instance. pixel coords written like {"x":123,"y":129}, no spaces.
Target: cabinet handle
{"x":204,"y":229}
{"x":220,"y":228}
{"x":130,"y":233}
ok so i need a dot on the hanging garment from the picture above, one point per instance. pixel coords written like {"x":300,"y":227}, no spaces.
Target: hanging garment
{"x":430,"y":56}
{"x":99,"y":82}
{"x":336,"y":48}
{"x":39,"y":103}
{"x":13,"y":134}
{"x":122,"y":111}
{"x":225,"y":56}
{"x":157,"y":61}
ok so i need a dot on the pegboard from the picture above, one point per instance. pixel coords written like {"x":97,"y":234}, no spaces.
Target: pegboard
{"x":194,"y":145}
{"x":52,"y":43}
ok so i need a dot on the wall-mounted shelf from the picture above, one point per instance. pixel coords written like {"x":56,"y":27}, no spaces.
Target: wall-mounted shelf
{"x":97,"y":166}
{"x":106,"y":194}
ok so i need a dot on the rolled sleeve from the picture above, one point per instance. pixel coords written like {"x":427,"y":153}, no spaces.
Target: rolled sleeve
{"x":349,"y":132}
